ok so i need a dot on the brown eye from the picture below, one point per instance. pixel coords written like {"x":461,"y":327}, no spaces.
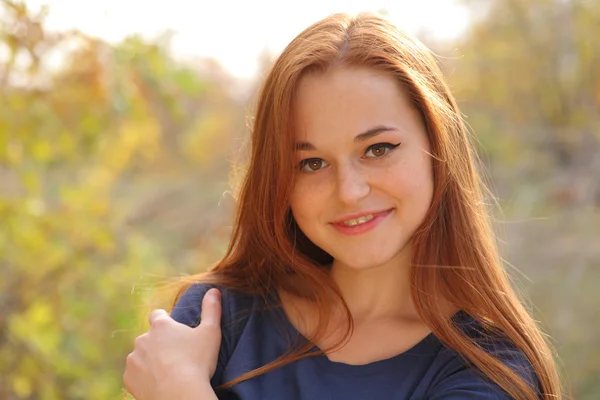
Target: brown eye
{"x":312,"y":165}
{"x":380,"y":149}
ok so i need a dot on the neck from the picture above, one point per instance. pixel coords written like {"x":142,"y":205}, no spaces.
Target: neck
{"x":378,"y":292}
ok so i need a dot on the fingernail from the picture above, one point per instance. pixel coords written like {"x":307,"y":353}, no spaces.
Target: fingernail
{"x":215,"y":294}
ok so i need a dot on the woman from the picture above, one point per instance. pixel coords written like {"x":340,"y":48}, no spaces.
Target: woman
{"x":361,"y":265}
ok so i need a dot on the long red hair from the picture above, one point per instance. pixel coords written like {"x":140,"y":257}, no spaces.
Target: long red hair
{"x":455,"y":259}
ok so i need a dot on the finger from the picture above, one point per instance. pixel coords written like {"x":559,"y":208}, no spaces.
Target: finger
{"x":211,"y":309}
{"x":157,"y":314}
{"x":128,"y":375}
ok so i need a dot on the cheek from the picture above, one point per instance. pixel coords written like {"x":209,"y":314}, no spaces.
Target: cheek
{"x":425,"y":180}
{"x":304,"y":201}
{"x":413,"y":182}
{"x":420,"y":186}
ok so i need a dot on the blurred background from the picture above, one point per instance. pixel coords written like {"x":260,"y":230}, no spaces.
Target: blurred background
{"x":120,"y":122}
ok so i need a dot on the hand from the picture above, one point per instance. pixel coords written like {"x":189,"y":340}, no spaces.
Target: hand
{"x":172,"y":357}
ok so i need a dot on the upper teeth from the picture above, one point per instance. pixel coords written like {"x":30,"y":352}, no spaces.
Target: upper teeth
{"x":358,"y":221}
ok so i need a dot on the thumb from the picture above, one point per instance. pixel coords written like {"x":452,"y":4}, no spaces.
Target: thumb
{"x":157,"y":314}
{"x":211,"y":309}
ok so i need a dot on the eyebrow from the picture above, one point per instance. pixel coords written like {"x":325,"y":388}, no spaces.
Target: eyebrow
{"x":361,"y":137}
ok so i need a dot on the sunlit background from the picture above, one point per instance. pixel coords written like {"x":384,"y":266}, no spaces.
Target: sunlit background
{"x":120,"y":122}
{"x":236,"y":32}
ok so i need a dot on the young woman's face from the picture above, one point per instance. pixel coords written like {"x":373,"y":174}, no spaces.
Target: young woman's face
{"x":366,"y":180}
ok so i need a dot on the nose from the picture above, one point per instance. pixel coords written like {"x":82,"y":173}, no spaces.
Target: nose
{"x":352,"y":185}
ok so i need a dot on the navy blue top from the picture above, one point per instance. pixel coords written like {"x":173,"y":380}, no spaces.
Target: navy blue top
{"x":254,"y":335}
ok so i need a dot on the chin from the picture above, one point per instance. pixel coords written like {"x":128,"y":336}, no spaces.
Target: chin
{"x":363,"y":263}
{"x":372,"y":256}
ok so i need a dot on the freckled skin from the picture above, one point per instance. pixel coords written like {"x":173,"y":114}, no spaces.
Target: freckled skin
{"x":333,"y":108}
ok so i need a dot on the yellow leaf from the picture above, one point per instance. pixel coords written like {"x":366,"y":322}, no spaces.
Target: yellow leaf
{"x":14,"y":153}
{"x":39,"y":314}
{"x":21,"y":386}
{"x":66,"y":143}
{"x":35,"y":206}
{"x":104,"y":241}
{"x":31,"y":180}
{"x":41,"y":151}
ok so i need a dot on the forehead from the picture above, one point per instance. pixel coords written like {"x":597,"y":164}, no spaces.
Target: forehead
{"x":348,"y":100}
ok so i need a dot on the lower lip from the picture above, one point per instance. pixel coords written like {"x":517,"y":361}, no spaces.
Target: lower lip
{"x":362,"y":228}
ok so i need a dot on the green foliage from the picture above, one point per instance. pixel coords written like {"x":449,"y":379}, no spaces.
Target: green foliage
{"x":528,"y":78}
{"x":76,"y":270}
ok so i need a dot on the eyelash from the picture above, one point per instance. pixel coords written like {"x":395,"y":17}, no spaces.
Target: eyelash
{"x":388,"y":146}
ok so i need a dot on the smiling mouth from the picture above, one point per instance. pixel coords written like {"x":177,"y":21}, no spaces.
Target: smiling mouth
{"x":363,"y":223}
{"x":358,"y":221}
